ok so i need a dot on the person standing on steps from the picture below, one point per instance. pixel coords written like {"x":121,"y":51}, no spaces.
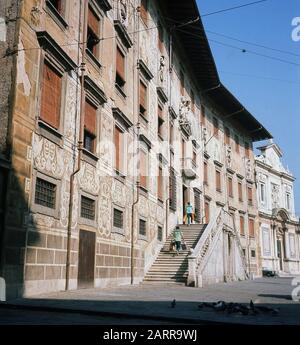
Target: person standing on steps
{"x":189,"y":213}
{"x":178,"y":237}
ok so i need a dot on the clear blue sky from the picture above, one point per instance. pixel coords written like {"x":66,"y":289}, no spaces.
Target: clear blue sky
{"x":269,"y":89}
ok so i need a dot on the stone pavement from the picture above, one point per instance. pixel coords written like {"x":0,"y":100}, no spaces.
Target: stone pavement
{"x":153,"y":302}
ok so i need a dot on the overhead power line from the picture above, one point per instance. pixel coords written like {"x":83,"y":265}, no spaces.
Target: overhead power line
{"x":232,"y":8}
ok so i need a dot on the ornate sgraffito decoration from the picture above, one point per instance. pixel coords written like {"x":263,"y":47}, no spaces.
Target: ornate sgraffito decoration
{"x":123,"y":12}
{"x":248,"y":169}
{"x":217,"y":151}
{"x":64,"y":208}
{"x":161,"y":72}
{"x":104,"y":214}
{"x":35,"y":14}
{"x":71,"y":106}
{"x":118,"y":193}
{"x":89,"y":180}
{"x":184,"y":110}
{"x":275,"y":195}
{"x":105,"y":148}
{"x":143,"y":207}
{"x":129,"y":198}
{"x":229,"y":156}
{"x":46,"y":157}
{"x":153,"y":222}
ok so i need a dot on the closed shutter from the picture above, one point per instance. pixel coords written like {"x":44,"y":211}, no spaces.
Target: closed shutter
{"x":240,"y":191}
{"x":207,"y":213}
{"x":143,"y":98}
{"x":197,"y":206}
{"x":90,"y":118}
{"x":250,"y":198}
{"x":205,"y":173}
{"x":118,"y":219}
{"x":144,"y":11}
{"x":230,"y":187}
{"x":242,"y":225}
{"x":160,"y":184}
{"x":218,"y":180}
{"x":227,"y":136}
{"x":120,"y":67}
{"x":51,"y":96}
{"x":93,"y":22}
{"x":143,"y":168}
{"x":118,"y":139}
{"x":172,"y":190}
{"x":251,"y":227}
{"x":203,"y":115}
{"x":142,"y":228}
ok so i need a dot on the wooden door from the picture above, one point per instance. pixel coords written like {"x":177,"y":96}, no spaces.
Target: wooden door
{"x":86,"y":261}
{"x":197,"y":206}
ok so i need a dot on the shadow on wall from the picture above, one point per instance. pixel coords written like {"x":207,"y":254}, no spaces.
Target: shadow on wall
{"x":17,"y":234}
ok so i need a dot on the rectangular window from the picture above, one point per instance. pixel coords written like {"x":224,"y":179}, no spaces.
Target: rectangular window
{"x":242,"y":225}
{"x":143,"y":99}
{"x":144,"y":11}
{"x":45,"y":193}
{"x":288,"y":201}
{"x":251,"y":227}
{"x":262,"y":192}
{"x":182,"y":148}
{"x":227,"y":136}
{"x":120,"y":68}
{"x":171,"y":138}
{"x":160,"y":121}
{"x":237,"y":144}
{"x":253,"y":254}
{"x":172,"y":190}
{"x":216,"y":127}
{"x":90,"y":127}
{"x":230,"y":187}
{"x":57,"y":4}
{"x":181,"y":83}
{"x":93,"y":31}
{"x":218,"y":180}
{"x":142,"y":228}
{"x":203,"y":115}
{"x":87,"y":208}
{"x":118,"y":147}
{"x":250,"y":196}
{"x":240,"y":188}
{"x":143,"y":169}
{"x":205,"y":177}
{"x":51,"y":96}
{"x":194,"y":158}
{"x":159,"y":233}
{"x":118,"y":218}
{"x":207,"y":212}
{"x":160,"y":184}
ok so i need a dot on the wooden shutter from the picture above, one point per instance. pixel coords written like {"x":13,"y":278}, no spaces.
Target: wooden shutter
{"x":172,"y":190}
{"x":144,"y":11}
{"x":90,"y":118}
{"x":242,"y":225}
{"x":160,"y":184}
{"x":250,"y":196}
{"x":205,"y":177}
{"x":93,"y":22}
{"x":251,"y":228}
{"x":143,"y":96}
{"x":120,"y":65}
{"x":118,"y":146}
{"x":240,"y":191}
{"x":218,"y":180}
{"x":207,"y":214}
{"x":143,"y":169}
{"x":230,"y":187}
{"x":51,"y":96}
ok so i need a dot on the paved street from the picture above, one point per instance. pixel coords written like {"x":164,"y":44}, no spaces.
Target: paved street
{"x":153,"y":302}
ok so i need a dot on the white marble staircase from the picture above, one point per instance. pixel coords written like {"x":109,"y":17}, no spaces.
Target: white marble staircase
{"x":168,"y":268}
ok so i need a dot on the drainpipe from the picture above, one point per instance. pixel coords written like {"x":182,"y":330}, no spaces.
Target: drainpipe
{"x":80,"y":141}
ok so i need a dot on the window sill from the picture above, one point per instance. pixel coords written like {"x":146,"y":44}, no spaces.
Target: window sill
{"x":57,"y":17}
{"x":160,"y":137}
{"x":160,"y":201}
{"x":118,"y":231}
{"x":143,"y":191}
{"x":50,"y":133}
{"x":144,"y":119}
{"x":119,"y":176}
{"x":89,"y":157}
{"x":93,"y":59}
{"x":120,"y":91}
{"x":142,"y":237}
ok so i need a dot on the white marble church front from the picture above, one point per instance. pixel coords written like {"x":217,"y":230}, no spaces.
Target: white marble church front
{"x":279,"y":227}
